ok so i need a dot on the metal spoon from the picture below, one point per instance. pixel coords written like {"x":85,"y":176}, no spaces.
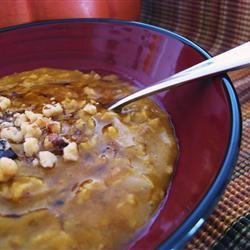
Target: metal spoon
{"x":229,"y":60}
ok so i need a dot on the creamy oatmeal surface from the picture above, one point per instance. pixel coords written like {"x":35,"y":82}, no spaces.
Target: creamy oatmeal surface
{"x":74,"y":175}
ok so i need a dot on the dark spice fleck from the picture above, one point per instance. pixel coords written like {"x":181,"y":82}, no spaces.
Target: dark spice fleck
{"x":14,"y":94}
{"x":58,"y":203}
{"x":13,"y":216}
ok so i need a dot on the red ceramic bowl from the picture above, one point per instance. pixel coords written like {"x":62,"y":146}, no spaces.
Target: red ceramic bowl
{"x":205,"y":113}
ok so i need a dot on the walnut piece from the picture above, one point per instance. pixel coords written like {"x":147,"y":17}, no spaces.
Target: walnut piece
{"x":19,"y":119}
{"x":47,"y":159}
{"x":89,"y":92}
{"x":50,"y":110}
{"x":47,"y":144}
{"x":90,"y":109}
{"x":42,"y":122}
{"x":32,"y":116}
{"x":31,"y":130}
{"x":6,"y":124}
{"x":4,"y":103}
{"x":70,"y":152}
{"x":8,"y":169}
{"x":30,"y":146}
{"x":54,"y":127}
{"x":12,"y":134}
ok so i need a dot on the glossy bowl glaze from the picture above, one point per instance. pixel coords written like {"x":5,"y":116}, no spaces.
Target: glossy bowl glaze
{"x":205,"y":113}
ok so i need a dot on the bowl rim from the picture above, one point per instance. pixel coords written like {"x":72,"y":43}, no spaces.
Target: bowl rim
{"x":189,"y":227}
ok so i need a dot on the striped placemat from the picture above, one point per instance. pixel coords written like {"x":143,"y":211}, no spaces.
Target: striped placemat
{"x":217,"y":26}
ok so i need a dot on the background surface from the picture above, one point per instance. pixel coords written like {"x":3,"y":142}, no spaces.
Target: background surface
{"x":217,"y":26}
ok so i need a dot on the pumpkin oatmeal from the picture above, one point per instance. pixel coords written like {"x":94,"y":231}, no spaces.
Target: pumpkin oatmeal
{"x":74,"y":175}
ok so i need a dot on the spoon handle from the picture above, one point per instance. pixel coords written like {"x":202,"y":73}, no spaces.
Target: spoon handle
{"x":229,"y":60}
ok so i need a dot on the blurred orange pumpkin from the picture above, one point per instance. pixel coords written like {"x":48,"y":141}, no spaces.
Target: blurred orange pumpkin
{"x":23,"y":11}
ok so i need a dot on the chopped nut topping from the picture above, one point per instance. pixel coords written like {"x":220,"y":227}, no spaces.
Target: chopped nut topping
{"x":80,"y":123}
{"x":31,"y":130}
{"x":90,"y":109}
{"x":89,"y":92}
{"x":74,"y":152}
{"x":32,"y":116}
{"x":70,"y":105}
{"x":70,"y":152}
{"x":47,"y":143}
{"x":47,"y":159}
{"x":4,"y":103}
{"x":50,"y":110}
{"x":24,"y":127}
{"x":19,"y":119}
{"x":8,"y":169}
{"x":6,"y":124}
{"x":54,"y":127}
{"x":42,"y":122}
{"x":31,"y":146}
{"x":12,"y":134}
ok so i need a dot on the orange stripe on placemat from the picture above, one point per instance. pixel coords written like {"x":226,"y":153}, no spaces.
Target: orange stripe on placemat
{"x":234,"y":203}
